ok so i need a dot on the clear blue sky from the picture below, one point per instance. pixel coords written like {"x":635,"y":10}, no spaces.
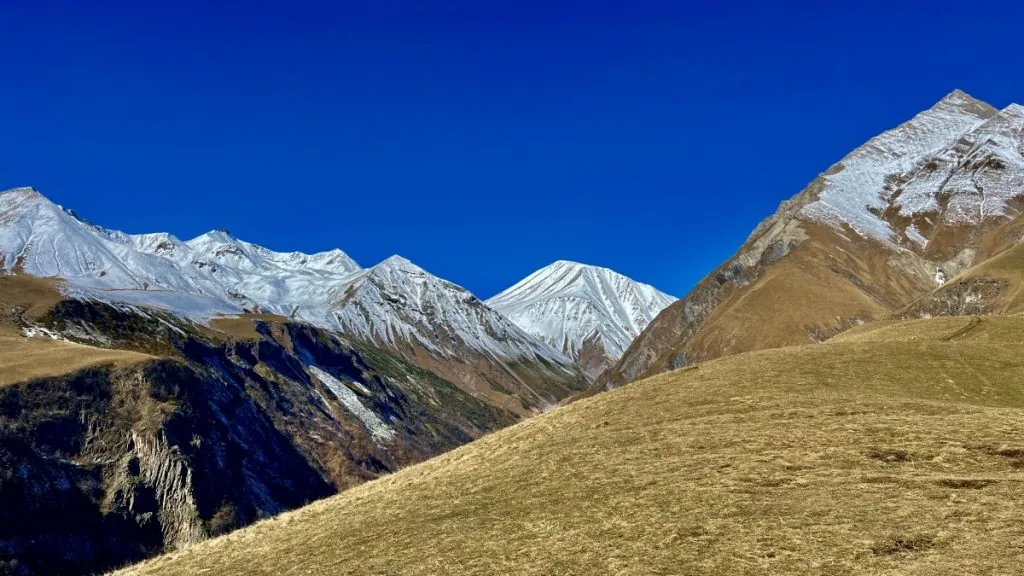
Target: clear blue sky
{"x":481,"y":140}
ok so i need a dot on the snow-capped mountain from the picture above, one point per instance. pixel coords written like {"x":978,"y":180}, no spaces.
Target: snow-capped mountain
{"x":431,"y":313}
{"x":875,"y":232}
{"x":396,"y":304}
{"x":590,"y":314}
{"x":953,"y":165}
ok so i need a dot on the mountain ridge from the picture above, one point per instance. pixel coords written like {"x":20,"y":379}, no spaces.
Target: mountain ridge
{"x":397,"y":304}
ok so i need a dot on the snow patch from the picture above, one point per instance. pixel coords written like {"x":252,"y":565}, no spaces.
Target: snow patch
{"x":380,"y":431}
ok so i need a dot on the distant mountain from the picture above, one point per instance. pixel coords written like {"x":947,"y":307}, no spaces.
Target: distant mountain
{"x":590,"y":314}
{"x":872,"y":234}
{"x":218,"y":272}
{"x":446,"y":329}
{"x":431,"y":322}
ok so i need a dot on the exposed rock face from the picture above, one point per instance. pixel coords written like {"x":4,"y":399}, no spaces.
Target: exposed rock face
{"x":994,"y":286}
{"x":862,"y":241}
{"x":109,"y":465}
{"x":971,"y":297}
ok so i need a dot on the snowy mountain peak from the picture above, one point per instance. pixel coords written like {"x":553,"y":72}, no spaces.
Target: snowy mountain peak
{"x":331,"y":260}
{"x":20,"y":197}
{"x":157,"y":243}
{"x":221,"y":246}
{"x":956,"y":164}
{"x":213,"y":237}
{"x":396,"y":262}
{"x":1014,"y":110}
{"x":959,"y":100}
{"x":23,"y":191}
{"x":576,"y":307}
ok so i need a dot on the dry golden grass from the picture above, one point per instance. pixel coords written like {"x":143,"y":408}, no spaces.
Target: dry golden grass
{"x":33,"y":295}
{"x":777,"y":310}
{"x":1005,"y":330}
{"x":26,"y":358}
{"x":897,"y":453}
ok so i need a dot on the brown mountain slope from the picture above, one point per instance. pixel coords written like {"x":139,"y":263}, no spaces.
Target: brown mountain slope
{"x":862,"y":241}
{"x":798,"y":282}
{"x":894,"y":452}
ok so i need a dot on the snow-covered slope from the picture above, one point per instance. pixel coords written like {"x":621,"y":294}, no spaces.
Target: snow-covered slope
{"x":395,"y":303}
{"x":953,"y":165}
{"x":43,"y":239}
{"x":589,"y":313}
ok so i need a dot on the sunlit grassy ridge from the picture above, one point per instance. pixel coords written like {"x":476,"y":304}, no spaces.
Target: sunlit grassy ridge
{"x":26,"y":358}
{"x":22,"y":359}
{"x":892,"y":450}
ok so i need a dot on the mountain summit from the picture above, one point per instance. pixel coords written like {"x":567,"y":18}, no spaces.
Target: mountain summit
{"x":589,"y":313}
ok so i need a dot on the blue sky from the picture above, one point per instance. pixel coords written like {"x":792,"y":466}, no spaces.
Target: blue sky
{"x":481,"y":140}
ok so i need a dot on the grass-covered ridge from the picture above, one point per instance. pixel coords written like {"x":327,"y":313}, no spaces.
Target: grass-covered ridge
{"x":897,"y":448}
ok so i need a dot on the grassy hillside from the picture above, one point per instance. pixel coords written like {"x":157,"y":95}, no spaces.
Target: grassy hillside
{"x":894,"y":449}
{"x":22,"y":358}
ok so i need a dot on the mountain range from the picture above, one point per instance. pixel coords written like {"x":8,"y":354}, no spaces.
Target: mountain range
{"x":194,"y":387}
{"x":395,"y":304}
{"x":340,"y":373}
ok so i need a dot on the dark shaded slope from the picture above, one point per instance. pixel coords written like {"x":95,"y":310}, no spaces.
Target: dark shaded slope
{"x":109,"y":465}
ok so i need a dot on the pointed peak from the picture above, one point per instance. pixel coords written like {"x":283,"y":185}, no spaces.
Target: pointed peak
{"x":156,"y":237}
{"x":23,"y":197}
{"x":960,"y":101}
{"x":958,"y":95}
{"x":334,"y":255}
{"x":21,"y":194}
{"x":396,"y":262}
{"x":1013,"y":110}
{"x":22,"y":191}
{"x":218,"y":235}
{"x":573,"y":265}
{"x":331,"y":260}
{"x":567,"y":264}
